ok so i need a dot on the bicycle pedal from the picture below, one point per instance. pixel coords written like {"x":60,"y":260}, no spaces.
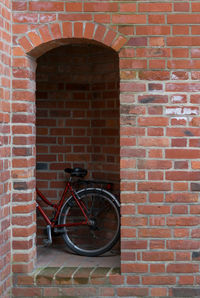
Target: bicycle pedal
{"x":48,"y":241}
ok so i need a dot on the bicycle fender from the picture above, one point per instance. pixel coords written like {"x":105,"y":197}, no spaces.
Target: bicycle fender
{"x":67,"y":202}
{"x":113,"y":198}
{"x":109,"y":194}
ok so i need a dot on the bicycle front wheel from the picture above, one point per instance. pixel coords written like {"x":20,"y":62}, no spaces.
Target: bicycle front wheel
{"x":102,"y":233}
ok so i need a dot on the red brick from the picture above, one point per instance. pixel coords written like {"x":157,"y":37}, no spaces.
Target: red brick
{"x":175,"y":64}
{"x":151,"y":7}
{"x":139,"y":244}
{"x":157,"y":268}
{"x":47,"y":17}
{"x":25,"y":280}
{"x":107,"y":292}
{"x":78,"y":29}
{"x":157,"y":64}
{"x":153,"y":209}
{"x":180,"y":209}
{"x":182,"y":268}
{"x":74,"y":17}
{"x":67,"y":29}
{"x":22,"y":244}
{"x":56,"y":31}
{"x":195,"y":7}
{"x":78,"y":291}
{"x":181,"y":197}
{"x":27,"y":292}
{"x":116,"y":279}
{"x":89,"y":30}
{"x":140,"y":64}
{"x":134,"y":268}
{"x":156,"y":197}
{"x":158,"y":256}
{"x":155,"y":233}
{"x":53,"y":292}
{"x":100,"y":7}
{"x":102,"y":18}
{"x":46,"y":6}
{"x":181,"y":30}
{"x":153,"y":121}
{"x":128,"y":19}
{"x":180,"y":186}
{"x":127,"y":7}
{"x":154,"y":142}
{"x":127,"y":209}
{"x":154,"y":75}
{"x":45,"y":33}
{"x":183,"y":244}
{"x":72,"y":7}
{"x":35,"y":38}
{"x":131,"y":292}
{"x":23,"y":268}
{"x":158,"y":292}
{"x":186,"y":280}
{"x":153,"y":186}
{"x":119,"y":43}
{"x":25,"y":43}
{"x":156,"y":41}
{"x":19,"y":6}
{"x":183,"y":221}
{"x":156,"y":19}
{"x":131,"y":221}
{"x":19,"y":17}
{"x":99,"y":33}
{"x":183,"y":19}
{"x":159,"y":280}
{"x":182,"y":153}
{"x":181,"y":6}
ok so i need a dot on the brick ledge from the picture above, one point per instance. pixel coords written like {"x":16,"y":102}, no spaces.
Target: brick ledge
{"x":54,"y":276}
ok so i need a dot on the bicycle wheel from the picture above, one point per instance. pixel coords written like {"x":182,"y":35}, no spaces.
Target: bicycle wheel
{"x":102,"y":233}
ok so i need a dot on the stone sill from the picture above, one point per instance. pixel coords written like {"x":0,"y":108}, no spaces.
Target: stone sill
{"x":61,"y":276}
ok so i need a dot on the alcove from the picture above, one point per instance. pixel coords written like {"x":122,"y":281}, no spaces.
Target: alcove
{"x":77,"y":120}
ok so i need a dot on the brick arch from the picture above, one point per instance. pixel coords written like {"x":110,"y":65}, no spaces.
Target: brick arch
{"x":46,"y":37}
{"x":32,"y":45}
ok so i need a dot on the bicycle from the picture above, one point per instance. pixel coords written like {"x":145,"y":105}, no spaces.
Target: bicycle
{"x":88,"y":220}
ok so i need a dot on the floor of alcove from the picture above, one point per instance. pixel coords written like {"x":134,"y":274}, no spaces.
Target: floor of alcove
{"x":55,"y":256}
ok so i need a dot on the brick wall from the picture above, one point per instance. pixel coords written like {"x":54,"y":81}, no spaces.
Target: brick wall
{"x":159,"y":49}
{"x":77,"y":115}
{"x":5,"y":149}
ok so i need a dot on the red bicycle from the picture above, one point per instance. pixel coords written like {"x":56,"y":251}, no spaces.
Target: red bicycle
{"x":89,"y":219}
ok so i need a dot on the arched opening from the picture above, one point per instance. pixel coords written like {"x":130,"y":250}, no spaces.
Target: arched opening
{"x":77,"y":112}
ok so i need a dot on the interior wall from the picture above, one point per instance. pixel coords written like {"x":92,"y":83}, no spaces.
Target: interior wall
{"x":77,"y":116}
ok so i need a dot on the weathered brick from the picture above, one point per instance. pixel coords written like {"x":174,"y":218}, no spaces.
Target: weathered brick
{"x":159,"y":131}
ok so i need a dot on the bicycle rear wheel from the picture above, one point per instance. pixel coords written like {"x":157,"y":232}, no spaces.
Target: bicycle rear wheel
{"x":102,"y":233}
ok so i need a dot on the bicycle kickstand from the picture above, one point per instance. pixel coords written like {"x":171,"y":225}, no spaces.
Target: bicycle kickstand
{"x":48,"y":241}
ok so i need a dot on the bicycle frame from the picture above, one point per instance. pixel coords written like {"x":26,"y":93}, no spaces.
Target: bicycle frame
{"x":58,"y":207}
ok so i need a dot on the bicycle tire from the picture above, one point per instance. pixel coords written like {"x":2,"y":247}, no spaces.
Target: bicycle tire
{"x":99,"y":238}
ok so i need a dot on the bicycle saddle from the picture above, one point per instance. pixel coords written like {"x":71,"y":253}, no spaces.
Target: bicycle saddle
{"x":77,"y":172}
